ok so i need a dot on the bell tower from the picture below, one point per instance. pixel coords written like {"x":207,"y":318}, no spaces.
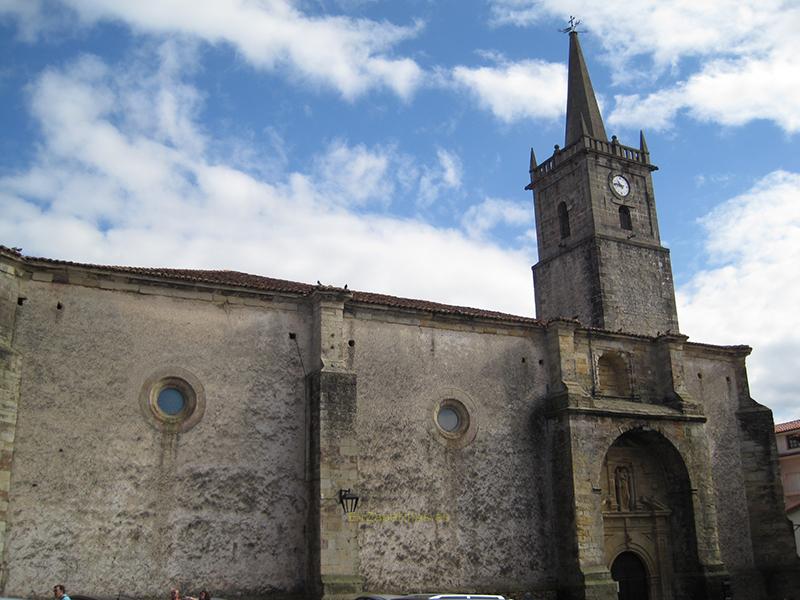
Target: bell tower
{"x":600,"y":255}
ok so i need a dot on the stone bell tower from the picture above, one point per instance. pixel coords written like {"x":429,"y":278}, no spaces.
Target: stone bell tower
{"x":600,"y":256}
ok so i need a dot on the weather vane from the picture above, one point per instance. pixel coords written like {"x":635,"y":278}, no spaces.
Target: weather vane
{"x":573,"y":26}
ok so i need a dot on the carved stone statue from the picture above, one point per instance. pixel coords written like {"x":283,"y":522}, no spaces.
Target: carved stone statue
{"x":624,"y":488}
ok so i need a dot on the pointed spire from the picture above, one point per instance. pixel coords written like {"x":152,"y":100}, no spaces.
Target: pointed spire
{"x":584,"y":127}
{"x":532,"y":170}
{"x":583,"y":114}
{"x":643,"y":143}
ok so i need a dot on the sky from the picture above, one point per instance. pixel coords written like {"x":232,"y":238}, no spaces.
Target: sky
{"x":385,"y":145}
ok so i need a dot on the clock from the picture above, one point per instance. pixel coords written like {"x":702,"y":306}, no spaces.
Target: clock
{"x":620,"y":185}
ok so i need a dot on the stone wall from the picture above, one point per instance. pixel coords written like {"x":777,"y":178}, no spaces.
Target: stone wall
{"x":302,"y":397}
{"x":105,"y":502}
{"x":10,"y":368}
{"x":568,"y":285}
{"x":638,"y":295}
{"x":440,"y":513}
{"x":709,"y":377}
{"x":571,"y":188}
{"x":756,"y":538}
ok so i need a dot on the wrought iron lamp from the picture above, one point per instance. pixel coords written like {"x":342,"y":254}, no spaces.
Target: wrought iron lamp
{"x":348,"y":500}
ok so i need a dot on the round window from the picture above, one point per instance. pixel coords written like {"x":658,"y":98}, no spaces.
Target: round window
{"x":452,"y":418}
{"x":448,"y":419}
{"x":173,"y":400}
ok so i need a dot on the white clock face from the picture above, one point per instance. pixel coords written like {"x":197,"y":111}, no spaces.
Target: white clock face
{"x":620,"y":185}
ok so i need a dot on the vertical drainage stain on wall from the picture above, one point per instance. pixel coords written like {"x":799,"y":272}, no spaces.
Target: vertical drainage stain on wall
{"x":162,"y":548}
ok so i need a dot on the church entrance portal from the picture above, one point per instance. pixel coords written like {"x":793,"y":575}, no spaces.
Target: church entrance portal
{"x":648,"y":523}
{"x":630,"y":573}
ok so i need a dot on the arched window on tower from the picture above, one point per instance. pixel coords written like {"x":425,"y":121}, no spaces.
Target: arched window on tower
{"x":625,"y":218}
{"x":563,"y":219}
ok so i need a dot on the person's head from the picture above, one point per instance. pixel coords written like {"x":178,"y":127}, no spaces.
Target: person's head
{"x":175,"y":594}
{"x":59,"y":591}
{"x":204,"y":595}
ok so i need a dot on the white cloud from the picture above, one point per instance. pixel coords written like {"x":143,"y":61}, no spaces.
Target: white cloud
{"x":725,"y":91}
{"x":28,"y":15}
{"x":747,"y":49}
{"x":349,"y":55}
{"x":528,"y":89}
{"x":481,"y":218}
{"x":668,"y":30}
{"x":752,"y":294}
{"x":355,"y":175}
{"x":444,"y":176}
{"x":103,"y":191}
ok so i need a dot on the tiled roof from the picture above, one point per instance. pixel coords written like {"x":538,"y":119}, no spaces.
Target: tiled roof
{"x":788,"y":426}
{"x":384,"y":300}
{"x":269,"y":284}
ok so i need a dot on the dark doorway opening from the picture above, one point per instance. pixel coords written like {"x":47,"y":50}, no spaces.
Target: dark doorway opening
{"x":631,"y":574}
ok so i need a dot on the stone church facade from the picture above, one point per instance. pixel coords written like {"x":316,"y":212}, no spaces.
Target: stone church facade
{"x":165,"y":427}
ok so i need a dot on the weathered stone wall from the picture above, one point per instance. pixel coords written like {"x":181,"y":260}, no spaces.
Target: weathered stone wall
{"x":601,"y":274}
{"x":640,"y":200}
{"x":568,"y":286}
{"x":709,"y":379}
{"x":10,"y":367}
{"x":611,"y":284}
{"x":568,"y":185}
{"x":755,"y":536}
{"x":106,"y":503}
{"x":245,"y":502}
{"x":640,"y":358}
{"x":436,"y":515}
{"x":637,"y":289}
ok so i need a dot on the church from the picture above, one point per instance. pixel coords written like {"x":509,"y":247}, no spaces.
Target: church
{"x":264,"y":438}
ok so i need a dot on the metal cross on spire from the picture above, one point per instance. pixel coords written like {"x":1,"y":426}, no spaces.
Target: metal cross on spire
{"x":573,"y":26}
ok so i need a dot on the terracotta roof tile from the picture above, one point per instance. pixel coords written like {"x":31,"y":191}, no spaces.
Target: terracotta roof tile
{"x":788,"y":426}
{"x":269,"y":284}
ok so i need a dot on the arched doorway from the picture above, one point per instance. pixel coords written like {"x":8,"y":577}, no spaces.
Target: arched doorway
{"x":629,"y":572}
{"x":648,"y":517}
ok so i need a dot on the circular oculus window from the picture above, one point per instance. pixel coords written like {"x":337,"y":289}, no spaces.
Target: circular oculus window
{"x":448,"y":419}
{"x":452,"y":418}
{"x":173,"y":400}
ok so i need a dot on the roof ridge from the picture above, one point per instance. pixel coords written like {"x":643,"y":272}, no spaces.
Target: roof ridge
{"x":250,"y":281}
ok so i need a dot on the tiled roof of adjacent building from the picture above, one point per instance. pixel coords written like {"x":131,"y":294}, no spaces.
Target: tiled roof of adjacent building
{"x":269,"y":284}
{"x":788,"y":426}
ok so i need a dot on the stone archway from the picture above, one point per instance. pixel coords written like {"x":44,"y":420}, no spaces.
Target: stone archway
{"x":648,"y":515}
{"x":630,"y":573}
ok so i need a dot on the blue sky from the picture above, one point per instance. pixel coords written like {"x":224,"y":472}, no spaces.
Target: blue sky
{"x":385,"y":145}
